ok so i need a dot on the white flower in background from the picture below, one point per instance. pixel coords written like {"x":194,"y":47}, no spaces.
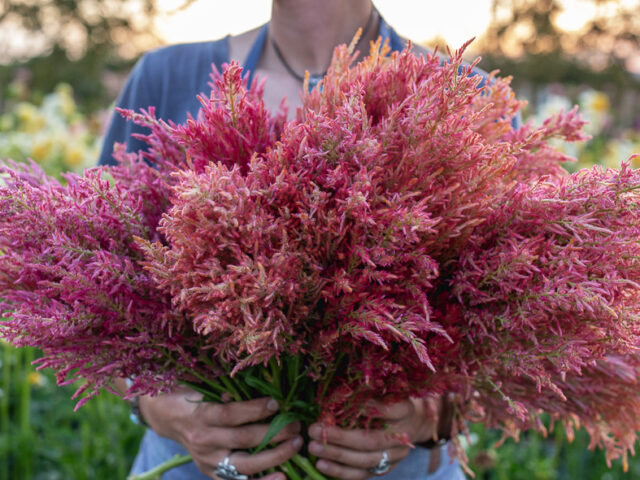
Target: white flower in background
{"x":619,"y":150}
{"x":550,"y":104}
{"x":595,"y":107}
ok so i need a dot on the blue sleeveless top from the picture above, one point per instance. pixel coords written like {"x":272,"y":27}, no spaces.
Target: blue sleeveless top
{"x":170,"y":79}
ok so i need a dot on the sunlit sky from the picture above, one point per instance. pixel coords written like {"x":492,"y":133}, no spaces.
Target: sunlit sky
{"x":456,"y":21}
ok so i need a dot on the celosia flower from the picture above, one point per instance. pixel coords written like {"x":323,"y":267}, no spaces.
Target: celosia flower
{"x":398,"y":238}
{"x":70,"y":281}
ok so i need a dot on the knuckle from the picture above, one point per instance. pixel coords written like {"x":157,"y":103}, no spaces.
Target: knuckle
{"x":336,"y":454}
{"x":194,"y":438}
{"x":211,"y":413}
{"x":403,"y":452}
{"x":240,"y":438}
{"x":284,"y":452}
{"x":371,"y":442}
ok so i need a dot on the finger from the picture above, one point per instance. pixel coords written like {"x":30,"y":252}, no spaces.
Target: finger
{"x":236,"y":413}
{"x":250,"y":464}
{"x":187,"y":393}
{"x":246,"y":436}
{"x":393,"y":411}
{"x":355,"y":458}
{"x":362,"y":440}
{"x":274,"y":476}
{"x":343,"y":472}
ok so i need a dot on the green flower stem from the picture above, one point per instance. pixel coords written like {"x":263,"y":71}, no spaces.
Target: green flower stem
{"x":4,"y":403}
{"x":288,"y":468}
{"x":240,"y":387}
{"x":308,"y":467}
{"x":275,"y":373}
{"x":156,"y":472}
{"x":26,"y":435}
{"x":290,"y":471}
{"x":231,"y":390}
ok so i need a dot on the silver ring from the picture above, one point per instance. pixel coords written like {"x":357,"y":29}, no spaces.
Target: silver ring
{"x":226,"y":471}
{"x":383,"y":466}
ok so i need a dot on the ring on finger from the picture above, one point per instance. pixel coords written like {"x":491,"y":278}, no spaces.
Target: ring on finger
{"x":383,"y":465}
{"x":227,"y":471}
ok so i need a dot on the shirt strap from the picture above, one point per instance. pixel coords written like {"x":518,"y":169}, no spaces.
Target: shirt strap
{"x":253,"y":57}
{"x":389,"y":34}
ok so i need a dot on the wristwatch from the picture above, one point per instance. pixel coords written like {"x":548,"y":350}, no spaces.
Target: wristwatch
{"x":134,"y":404}
{"x":445,"y":419}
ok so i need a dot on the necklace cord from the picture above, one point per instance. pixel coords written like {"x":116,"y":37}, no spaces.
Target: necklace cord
{"x":300,"y":78}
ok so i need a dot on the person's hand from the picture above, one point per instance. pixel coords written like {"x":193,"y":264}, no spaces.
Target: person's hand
{"x":210,"y":431}
{"x":351,"y":454}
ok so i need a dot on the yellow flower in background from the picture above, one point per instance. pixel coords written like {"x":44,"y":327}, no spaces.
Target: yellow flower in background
{"x":596,"y":101}
{"x":620,"y":150}
{"x":64,"y":96}
{"x":36,"y":379}
{"x":610,"y":145}
{"x":53,"y":132}
{"x":74,"y":156}
{"x":29,"y":118}
{"x":41,"y":150}
{"x":595,"y":107}
{"x":6,"y":122}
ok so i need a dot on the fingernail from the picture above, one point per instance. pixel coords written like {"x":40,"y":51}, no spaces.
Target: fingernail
{"x":273,"y":405}
{"x":315,"y":448}
{"x":322,"y":465}
{"x":315,"y":431}
{"x":297,"y":443}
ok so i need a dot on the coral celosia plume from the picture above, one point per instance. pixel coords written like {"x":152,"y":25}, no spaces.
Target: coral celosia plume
{"x":398,"y":238}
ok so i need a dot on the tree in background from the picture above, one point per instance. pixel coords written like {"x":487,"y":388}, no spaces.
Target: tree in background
{"x":524,"y":40}
{"x":74,"y":41}
{"x":531,"y":26}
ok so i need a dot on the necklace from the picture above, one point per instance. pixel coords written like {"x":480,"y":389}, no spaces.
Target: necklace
{"x":315,"y":78}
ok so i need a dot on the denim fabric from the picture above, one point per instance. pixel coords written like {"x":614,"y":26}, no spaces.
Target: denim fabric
{"x":155,"y":449}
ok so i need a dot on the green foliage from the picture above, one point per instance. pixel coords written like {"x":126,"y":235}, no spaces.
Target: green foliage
{"x":537,"y":458}
{"x":84,"y":75}
{"x":41,"y":438}
{"x":557,"y":67}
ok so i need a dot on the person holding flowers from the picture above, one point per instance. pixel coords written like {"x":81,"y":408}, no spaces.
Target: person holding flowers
{"x":293,"y":298}
{"x":300,"y":36}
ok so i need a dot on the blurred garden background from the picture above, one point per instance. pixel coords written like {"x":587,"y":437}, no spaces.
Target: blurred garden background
{"x":62,"y":63}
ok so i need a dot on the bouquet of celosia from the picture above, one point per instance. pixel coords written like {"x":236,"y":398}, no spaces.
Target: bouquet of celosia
{"x":398,"y":238}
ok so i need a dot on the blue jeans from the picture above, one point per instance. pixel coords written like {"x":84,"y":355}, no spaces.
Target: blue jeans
{"x":155,"y":449}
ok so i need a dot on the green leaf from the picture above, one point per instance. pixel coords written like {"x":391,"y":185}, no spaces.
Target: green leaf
{"x":265,"y":388}
{"x":277,"y":424}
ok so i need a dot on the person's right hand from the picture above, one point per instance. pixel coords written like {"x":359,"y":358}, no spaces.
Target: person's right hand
{"x":212,"y":431}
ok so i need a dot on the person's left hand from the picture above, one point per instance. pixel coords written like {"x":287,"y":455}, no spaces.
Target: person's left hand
{"x":350,"y":454}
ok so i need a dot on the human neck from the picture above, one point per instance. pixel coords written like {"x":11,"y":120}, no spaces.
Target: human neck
{"x":307,"y":31}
